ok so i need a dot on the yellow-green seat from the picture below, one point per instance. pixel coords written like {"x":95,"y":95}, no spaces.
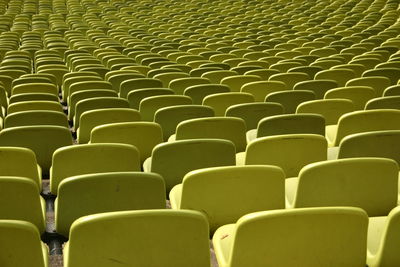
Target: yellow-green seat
{"x":179,"y":85}
{"x":363,"y":121}
{"x":341,"y":76}
{"x":262,"y":73}
{"x":89,"y":194}
{"x":392,"y":73}
{"x":330,"y":109}
{"x":149,"y":106}
{"x":169,"y":117}
{"x":309,"y":70}
{"x":20,"y":200}
{"x":291,"y":152}
{"x":116,"y":78}
{"x":88,"y":85}
{"x":198,"y":92}
{"x":385,"y":144}
{"x":216,"y":76}
{"x":367,"y":183}
{"x":290,"y":99}
{"x":143,"y":135}
{"x":21,"y":238}
{"x":228,"y":128}
{"x":138,"y":83}
{"x":387,"y":102}
{"x":92,"y":158}
{"x":42,"y":140}
{"x":359,"y":95}
{"x":378,"y":83}
{"x":177,"y":238}
{"x":252,"y":113}
{"x":166,"y":78}
{"x":92,"y":118}
{"x":236,"y":82}
{"x":393,"y":90}
{"x":382,"y":240}
{"x":34,"y":105}
{"x":319,"y":87}
{"x":251,"y":189}
{"x":290,"y":78}
{"x":173,"y":160}
{"x":74,"y":79}
{"x":296,"y":237}
{"x":36,"y":117}
{"x":222,"y":101}
{"x":32,"y":97}
{"x":35,"y":88}
{"x":97,"y":103}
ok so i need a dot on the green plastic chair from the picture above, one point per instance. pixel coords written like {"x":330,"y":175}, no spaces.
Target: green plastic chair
{"x":228,"y":128}
{"x":288,"y":124}
{"x":116,"y":78}
{"x":378,"y":83}
{"x":382,"y":241}
{"x":35,"y":88}
{"x":42,"y":140}
{"x":290,"y":78}
{"x":330,"y":109}
{"x":251,"y":188}
{"x":367,"y":183}
{"x":252,"y":113}
{"x":30,"y":97}
{"x":34,"y":105}
{"x":91,"y":119}
{"x":383,"y":144}
{"x":236,"y":82}
{"x":319,"y":87}
{"x":264,"y":74}
{"x":88,"y":194}
{"x":173,"y":160}
{"x":166,"y":78}
{"x":267,"y":238}
{"x":134,"y":237}
{"x":20,"y":200}
{"x":88,"y":85}
{"x":261,"y":89}
{"x":363,"y":121}
{"x":135,"y":96}
{"x":291,"y":152}
{"x":21,"y":238}
{"x":198,"y":92}
{"x":138,"y":83}
{"x":341,"y":76}
{"x":74,"y":79}
{"x":222,"y":101}
{"x":26,"y":118}
{"x":359,"y":95}
{"x":216,"y":76}
{"x":21,"y":162}
{"x":393,"y":90}
{"x":387,"y":102}
{"x":143,"y":135}
{"x":180,"y":85}
{"x":392,"y":73}
{"x":149,"y":106}
{"x":97,"y":103}
{"x":290,"y":99}
{"x":169,"y":117}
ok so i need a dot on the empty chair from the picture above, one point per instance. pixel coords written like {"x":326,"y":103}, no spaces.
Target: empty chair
{"x":42,"y":140}
{"x":135,"y":96}
{"x":88,"y":85}
{"x":341,"y":76}
{"x":363,"y":121}
{"x":290,"y":99}
{"x":92,"y":158}
{"x":138,"y":83}
{"x":359,"y":95}
{"x":319,"y":87}
{"x":20,"y":200}
{"x":97,"y":103}
{"x":393,"y":90}
{"x":387,"y":102}
{"x":290,"y":78}
{"x":330,"y":109}
{"x":36,"y":117}
{"x":222,"y":101}
{"x":34,"y":105}
{"x":383,"y":144}
{"x":88,"y":194}
{"x":251,"y":188}
{"x":149,"y":106}
{"x":229,"y":128}
{"x":382,"y":241}
{"x":216,"y":76}
{"x":291,"y":152}
{"x":252,"y":113}
{"x":134,"y":237}
{"x":267,"y":238}
{"x":92,"y":118}
{"x":173,"y":160}
{"x":367,"y":183}
{"x":166,"y":78}
{"x":180,"y":85}
{"x":21,"y":238}
{"x":288,"y":124}
{"x":143,"y":135}
{"x":33,"y":97}
{"x":237,"y":81}
{"x":169,"y":117}
{"x":47,"y":88}
{"x":392,"y":73}
{"x":261,"y":89}
{"x":198,"y":92}
{"x":378,"y":83}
